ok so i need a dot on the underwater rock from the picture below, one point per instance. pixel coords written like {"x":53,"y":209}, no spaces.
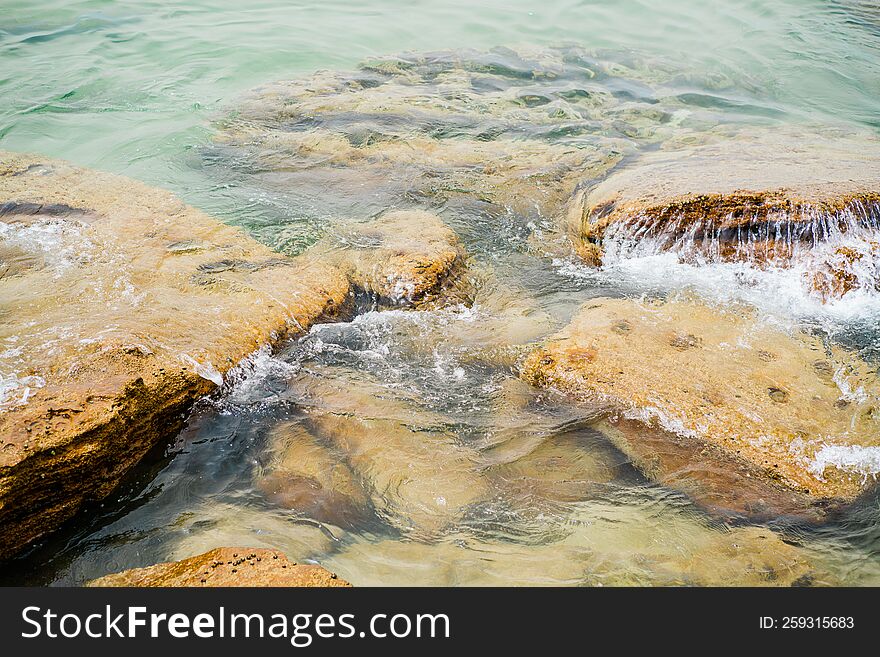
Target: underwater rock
{"x":564,"y":468}
{"x":419,"y":476}
{"x":753,"y":196}
{"x":714,"y":480}
{"x":227,"y":566}
{"x":457,"y":129}
{"x":129,"y":306}
{"x":606,"y":545}
{"x":311,"y":478}
{"x":764,"y":396}
{"x":403,"y":258}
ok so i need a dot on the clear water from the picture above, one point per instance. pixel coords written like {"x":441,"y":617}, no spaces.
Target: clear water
{"x":141,"y":91}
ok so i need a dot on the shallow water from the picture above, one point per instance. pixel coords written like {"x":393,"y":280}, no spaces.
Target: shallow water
{"x":532,"y":491}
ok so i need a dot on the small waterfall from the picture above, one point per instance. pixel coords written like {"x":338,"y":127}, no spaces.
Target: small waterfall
{"x":836,"y":252}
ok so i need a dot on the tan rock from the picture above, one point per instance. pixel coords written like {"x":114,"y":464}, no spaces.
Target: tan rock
{"x":403,"y":258}
{"x":200,"y":528}
{"x":562,"y":468}
{"x":311,"y":478}
{"x":721,"y":483}
{"x":128,"y":307}
{"x":607,"y":545}
{"x":769,"y":398}
{"x":445,"y":127}
{"x":226,"y":567}
{"x":419,"y":476}
{"x":756,"y":196}
{"x":120,"y":306}
{"x":629,"y":545}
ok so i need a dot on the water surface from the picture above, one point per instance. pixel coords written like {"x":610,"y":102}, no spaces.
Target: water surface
{"x":545,"y":498}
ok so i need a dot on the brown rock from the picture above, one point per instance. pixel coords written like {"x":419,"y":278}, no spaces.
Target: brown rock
{"x":420,"y":477}
{"x":312,"y":478}
{"x":756,"y":196}
{"x":226,"y":567}
{"x":404,"y":258}
{"x":120,"y":306}
{"x":848,"y":268}
{"x":760,"y":396}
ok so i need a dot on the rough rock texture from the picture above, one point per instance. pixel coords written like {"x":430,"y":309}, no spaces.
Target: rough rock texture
{"x":762,"y":396}
{"x":402,"y":258}
{"x":226,"y":567}
{"x":855,"y":266}
{"x":120,"y":306}
{"x":756,"y":196}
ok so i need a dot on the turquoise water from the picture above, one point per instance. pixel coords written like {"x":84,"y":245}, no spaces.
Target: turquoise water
{"x":140,"y":89}
{"x":132,"y":87}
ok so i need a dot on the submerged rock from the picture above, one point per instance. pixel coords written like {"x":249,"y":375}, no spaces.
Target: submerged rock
{"x":754,"y":196}
{"x":420,"y":476}
{"x":504,"y":130}
{"x":312,"y":478}
{"x":226,"y":566}
{"x":765,"y":398}
{"x":120,"y":306}
{"x":606,"y":545}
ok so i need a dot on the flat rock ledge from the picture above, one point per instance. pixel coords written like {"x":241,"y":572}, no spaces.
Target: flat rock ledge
{"x":756,"y":196}
{"x":120,"y":306}
{"x":223,"y":567}
{"x":736,"y":412}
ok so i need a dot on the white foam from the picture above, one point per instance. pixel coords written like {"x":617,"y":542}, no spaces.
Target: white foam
{"x":246,"y":380}
{"x":205,"y":370}
{"x":16,"y":390}
{"x":62,"y":244}
{"x":864,"y":461}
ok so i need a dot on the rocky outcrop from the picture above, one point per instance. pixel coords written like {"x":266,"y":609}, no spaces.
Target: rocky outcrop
{"x":226,"y":567}
{"x":764,"y":399}
{"x":403,"y":258}
{"x":120,"y":306}
{"x":757,"y":195}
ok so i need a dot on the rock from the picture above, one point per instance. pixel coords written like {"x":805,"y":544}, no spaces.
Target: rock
{"x":404,"y":258}
{"x":606,"y":544}
{"x":758,"y":196}
{"x":563,"y":468}
{"x":420,"y":477}
{"x":764,"y":397}
{"x":311,"y":478}
{"x":638,"y":544}
{"x":718,"y":482}
{"x":131,"y":306}
{"x":855,"y":266}
{"x":226,"y":567}
{"x":120,"y":306}
{"x":511,"y":131}
{"x":199,"y":528}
